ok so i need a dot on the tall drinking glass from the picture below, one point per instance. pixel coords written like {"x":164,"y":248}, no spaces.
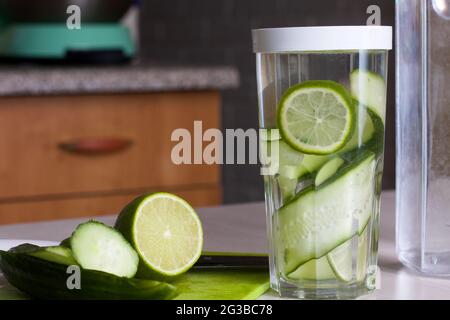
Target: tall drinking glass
{"x":322,"y":101}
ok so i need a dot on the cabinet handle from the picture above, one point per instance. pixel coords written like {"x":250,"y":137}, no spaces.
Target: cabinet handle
{"x":95,"y":146}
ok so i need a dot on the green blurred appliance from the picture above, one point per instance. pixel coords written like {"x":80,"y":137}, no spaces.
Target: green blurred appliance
{"x":37,"y":31}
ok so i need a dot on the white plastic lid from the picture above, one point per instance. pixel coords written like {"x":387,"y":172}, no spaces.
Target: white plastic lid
{"x":339,"y":38}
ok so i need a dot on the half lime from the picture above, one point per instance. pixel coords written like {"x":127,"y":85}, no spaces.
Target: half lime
{"x":165,"y":231}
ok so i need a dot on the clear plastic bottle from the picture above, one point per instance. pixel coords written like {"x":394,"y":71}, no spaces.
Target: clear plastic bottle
{"x":423,"y":132}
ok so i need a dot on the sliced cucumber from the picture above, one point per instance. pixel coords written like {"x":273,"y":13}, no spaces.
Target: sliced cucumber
{"x":311,"y":164}
{"x":268,"y":147}
{"x":289,"y":160}
{"x":65,"y":243}
{"x":317,"y":221}
{"x":278,"y":152}
{"x":288,"y":187}
{"x":328,"y":170}
{"x":96,"y":246}
{"x":316,"y":269}
{"x":376,"y":143}
{"x":340,"y":260}
{"x":370,"y":89}
{"x":364,"y":130}
{"x":59,"y":254}
{"x":363,"y":251}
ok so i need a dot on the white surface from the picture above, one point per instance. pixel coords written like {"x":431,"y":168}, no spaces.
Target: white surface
{"x":322,"y":39}
{"x":6,"y":244}
{"x":242,"y":228}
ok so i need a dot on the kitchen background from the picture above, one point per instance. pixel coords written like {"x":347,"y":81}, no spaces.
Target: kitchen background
{"x":85,"y":139}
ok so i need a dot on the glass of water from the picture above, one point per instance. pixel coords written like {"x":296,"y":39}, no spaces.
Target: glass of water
{"x":322,"y":101}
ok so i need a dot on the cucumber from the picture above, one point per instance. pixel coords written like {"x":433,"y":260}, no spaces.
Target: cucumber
{"x":288,"y":188}
{"x":48,"y":280}
{"x":58,"y":254}
{"x":328,"y":170}
{"x":364,"y":131}
{"x":340,"y":260}
{"x":319,"y":220}
{"x":316,"y":269}
{"x":268,"y":147}
{"x":65,"y":243}
{"x":96,"y":246}
{"x":280,"y":152}
{"x":288,"y":156}
{"x":369,"y":89}
{"x":288,"y":160}
{"x":363,"y":252}
{"x":311,"y":164}
{"x":376,"y":143}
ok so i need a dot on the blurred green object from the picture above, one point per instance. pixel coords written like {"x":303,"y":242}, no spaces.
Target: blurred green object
{"x":56,"y":41}
{"x":223,"y":284}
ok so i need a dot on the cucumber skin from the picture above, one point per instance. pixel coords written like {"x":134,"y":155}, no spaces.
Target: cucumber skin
{"x":65,"y":243}
{"x":46,"y":280}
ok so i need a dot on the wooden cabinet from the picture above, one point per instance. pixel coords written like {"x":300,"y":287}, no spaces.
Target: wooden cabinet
{"x":67,"y":156}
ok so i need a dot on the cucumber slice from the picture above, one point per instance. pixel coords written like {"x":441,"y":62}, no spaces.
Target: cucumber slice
{"x":289,"y":160}
{"x":376,"y":143}
{"x":288,"y":187}
{"x":59,"y":254}
{"x":316,"y":269}
{"x":328,"y":170}
{"x":268,"y":140}
{"x":65,"y":243}
{"x":364,"y":130}
{"x":279,"y":152}
{"x":96,"y":246}
{"x":363,"y":251}
{"x":311,"y":164}
{"x":370,"y":89}
{"x":340,"y":260}
{"x":317,"y":221}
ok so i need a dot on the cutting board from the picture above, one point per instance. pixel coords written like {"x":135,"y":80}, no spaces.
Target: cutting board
{"x":206,"y":283}
{"x":223,"y":284}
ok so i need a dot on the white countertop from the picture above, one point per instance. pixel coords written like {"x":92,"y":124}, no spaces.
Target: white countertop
{"x":242,"y":228}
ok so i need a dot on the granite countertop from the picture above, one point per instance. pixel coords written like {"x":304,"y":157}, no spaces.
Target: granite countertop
{"x":32,"y":80}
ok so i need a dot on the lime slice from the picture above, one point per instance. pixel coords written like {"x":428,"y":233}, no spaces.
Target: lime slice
{"x":316,"y":117}
{"x":340,"y":260}
{"x":165,"y":231}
